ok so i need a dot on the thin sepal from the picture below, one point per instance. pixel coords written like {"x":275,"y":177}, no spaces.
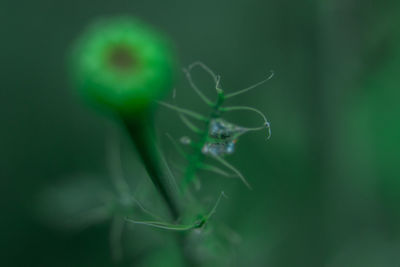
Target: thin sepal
{"x":184,"y":111}
{"x":250,"y":87}
{"x":229,"y":166}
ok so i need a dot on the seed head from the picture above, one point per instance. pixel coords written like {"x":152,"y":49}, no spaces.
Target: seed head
{"x":123,"y":64}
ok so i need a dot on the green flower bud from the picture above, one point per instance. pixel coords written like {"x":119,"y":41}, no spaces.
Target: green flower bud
{"x":123,"y":64}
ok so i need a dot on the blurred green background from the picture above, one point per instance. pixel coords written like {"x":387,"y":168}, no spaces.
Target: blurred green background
{"x":327,"y":184}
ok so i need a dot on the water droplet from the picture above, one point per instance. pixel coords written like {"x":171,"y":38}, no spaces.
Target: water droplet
{"x":219,"y":148}
{"x":221,"y":129}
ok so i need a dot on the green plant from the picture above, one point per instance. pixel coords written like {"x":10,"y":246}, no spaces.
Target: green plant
{"x":217,"y":137}
{"x":125,"y":67}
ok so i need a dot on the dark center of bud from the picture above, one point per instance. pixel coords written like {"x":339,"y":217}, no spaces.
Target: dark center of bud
{"x":121,"y":58}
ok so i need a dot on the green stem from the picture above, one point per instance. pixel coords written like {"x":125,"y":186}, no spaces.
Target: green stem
{"x":142,"y":134}
{"x":198,"y":157}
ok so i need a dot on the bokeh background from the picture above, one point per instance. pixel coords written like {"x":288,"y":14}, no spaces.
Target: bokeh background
{"x":326,"y":185}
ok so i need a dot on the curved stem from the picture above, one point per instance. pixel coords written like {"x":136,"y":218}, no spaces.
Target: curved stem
{"x":142,"y":135}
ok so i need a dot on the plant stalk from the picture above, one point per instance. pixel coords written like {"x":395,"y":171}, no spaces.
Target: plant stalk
{"x":142,"y":135}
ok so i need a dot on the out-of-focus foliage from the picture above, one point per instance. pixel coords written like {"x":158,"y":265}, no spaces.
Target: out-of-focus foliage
{"x":326,"y":185}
